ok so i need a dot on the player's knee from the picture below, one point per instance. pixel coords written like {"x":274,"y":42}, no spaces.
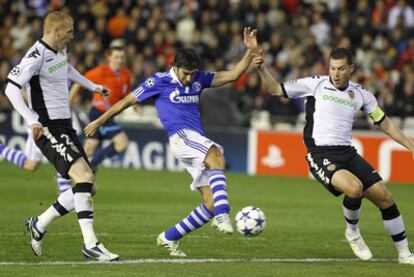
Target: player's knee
{"x":215,"y":159}
{"x":31,"y":165}
{"x":121,"y":144}
{"x":355,"y":189}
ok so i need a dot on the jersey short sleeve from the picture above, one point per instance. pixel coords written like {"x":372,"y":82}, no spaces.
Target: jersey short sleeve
{"x":147,"y":89}
{"x":301,"y":87}
{"x":371,"y":107}
{"x":29,"y":66}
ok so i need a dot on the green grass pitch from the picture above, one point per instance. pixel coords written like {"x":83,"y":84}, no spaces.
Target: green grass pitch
{"x":304,"y":235}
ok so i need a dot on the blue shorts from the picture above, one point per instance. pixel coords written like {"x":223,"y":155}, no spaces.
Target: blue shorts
{"x":106,"y":131}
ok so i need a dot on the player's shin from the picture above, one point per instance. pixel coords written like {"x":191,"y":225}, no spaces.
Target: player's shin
{"x":351,"y":208}
{"x":14,"y":156}
{"x":394,"y":224}
{"x":84,"y":210}
{"x":197,"y":218}
{"x":218,"y":185}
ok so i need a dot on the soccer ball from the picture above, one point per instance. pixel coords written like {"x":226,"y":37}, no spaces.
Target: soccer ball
{"x":250,"y":221}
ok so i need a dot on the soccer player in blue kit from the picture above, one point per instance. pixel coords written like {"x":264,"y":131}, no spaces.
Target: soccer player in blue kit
{"x":177,"y":99}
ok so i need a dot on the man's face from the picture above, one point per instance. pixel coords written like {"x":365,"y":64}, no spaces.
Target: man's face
{"x":116,"y":59}
{"x":64,"y":34}
{"x":340,"y":72}
{"x":185,"y":76}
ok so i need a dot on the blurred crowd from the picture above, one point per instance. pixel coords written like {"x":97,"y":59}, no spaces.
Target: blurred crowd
{"x":296,"y":36}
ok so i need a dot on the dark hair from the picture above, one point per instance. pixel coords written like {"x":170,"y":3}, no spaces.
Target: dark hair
{"x":340,"y":53}
{"x":187,"y":58}
{"x":115,"y":48}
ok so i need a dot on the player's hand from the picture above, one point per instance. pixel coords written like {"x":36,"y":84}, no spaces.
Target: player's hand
{"x":91,"y":129}
{"x":37,"y":130}
{"x":258,"y":59}
{"x":249,"y":37}
{"x":105,"y":91}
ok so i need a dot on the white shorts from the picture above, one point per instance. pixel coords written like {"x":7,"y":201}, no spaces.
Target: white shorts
{"x":191,"y":148}
{"x":32,"y":151}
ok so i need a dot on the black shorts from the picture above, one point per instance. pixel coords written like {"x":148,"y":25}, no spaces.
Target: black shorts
{"x":324,"y":161}
{"x":107,"y":130}
{"x":60,"y":145}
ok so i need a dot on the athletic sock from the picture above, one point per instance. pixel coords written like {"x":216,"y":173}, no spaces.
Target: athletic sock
{"x":351,"y":208}
{"x":63,"y":205}
{"x":218,"y":185}
{"x":62,"y":183}
{"x":14,"y":156}
{"x":84,"y":210}
{"x":197,"y":218}
{"x":394,"y":224}
{"x":103,"y":153}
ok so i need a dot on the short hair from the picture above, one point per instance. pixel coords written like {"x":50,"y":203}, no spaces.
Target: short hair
{"x":187,"y":58}
{"x":340,"y":53}
{"x":55,"y":20}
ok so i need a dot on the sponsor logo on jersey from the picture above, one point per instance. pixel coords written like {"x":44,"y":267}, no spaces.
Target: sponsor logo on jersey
{"x":57,"y":66}
{"x":196,"y":86}
{"x":340,"y":101}
{"x":34,"y":54}
{"x":351,"y":94}
{"x":175,"y":97}
{"x":15,"y":71}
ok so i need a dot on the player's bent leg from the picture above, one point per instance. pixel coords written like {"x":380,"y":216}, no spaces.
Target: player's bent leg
{"x":37,"y":225}
{"x":392,"y":219}
{"x":120,"y":142}
{"x":346,"y":182}
{"x":12,"y":155}
{"x":84,"y":178}
{"x":215,"y":162}
{"x":196,"y":219}
{"x":90,"y":146}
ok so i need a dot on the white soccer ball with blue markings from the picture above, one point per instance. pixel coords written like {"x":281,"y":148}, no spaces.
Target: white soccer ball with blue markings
{"x":250,"y":221}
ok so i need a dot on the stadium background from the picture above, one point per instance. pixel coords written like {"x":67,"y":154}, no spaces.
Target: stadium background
{"x":260,"y":134}
{"x":297,"y":37}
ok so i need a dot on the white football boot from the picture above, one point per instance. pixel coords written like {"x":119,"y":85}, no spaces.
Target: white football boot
{"x":406,"y":259}
{"x":171,"y":245}
{"x":222,"y":223}
{"x":358,"y":245}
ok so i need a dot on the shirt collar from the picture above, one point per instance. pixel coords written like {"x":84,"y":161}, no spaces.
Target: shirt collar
{"x":174,"y":76}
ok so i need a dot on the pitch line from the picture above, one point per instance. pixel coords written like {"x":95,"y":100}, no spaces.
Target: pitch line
{"x":190,"y":261}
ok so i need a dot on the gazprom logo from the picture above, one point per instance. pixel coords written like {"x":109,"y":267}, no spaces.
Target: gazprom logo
{"x":341,"y":101}
{"x":57,"y":66}
{"x":175,"y":97}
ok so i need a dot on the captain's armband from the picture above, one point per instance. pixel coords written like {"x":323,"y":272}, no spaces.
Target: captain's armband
{"x":377,"y":115}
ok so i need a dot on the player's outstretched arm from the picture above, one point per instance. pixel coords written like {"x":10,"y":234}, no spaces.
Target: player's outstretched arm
{"x":224,"y":77}
{"x":391,"y":129}
{"x":92,"y":127}
{"x":268,"y":82}
{"x":75,"y":76}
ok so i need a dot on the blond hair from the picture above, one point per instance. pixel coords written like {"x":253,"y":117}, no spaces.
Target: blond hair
{"x":55,"y":20}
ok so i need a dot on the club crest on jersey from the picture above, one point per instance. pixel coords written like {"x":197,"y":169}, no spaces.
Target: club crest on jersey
{"x":150,"y":82}
{"x":196,"y":86}
{"x":351,"y":94}
{"x":16,"y":71}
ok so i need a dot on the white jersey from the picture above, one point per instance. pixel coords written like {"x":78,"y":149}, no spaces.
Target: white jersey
{"x":331,"y":112}
{"x":45,"y":73}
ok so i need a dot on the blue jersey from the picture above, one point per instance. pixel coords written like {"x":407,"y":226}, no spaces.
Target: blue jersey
{"x":177,"y":106}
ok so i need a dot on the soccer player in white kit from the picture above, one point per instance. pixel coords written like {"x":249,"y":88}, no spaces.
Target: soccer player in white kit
{"x":177,"y":99}
{"x":45,"y":69}
{"x":331,"y":106}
